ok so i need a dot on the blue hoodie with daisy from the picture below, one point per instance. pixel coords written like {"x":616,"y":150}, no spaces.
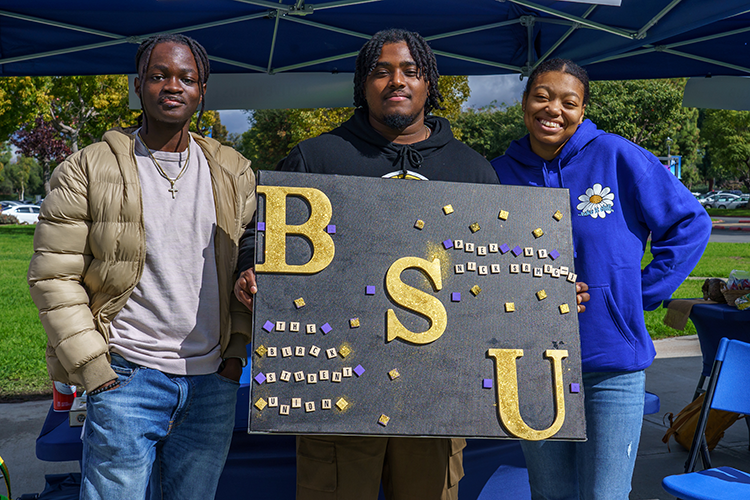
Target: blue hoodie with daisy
{"x":620,"y":194}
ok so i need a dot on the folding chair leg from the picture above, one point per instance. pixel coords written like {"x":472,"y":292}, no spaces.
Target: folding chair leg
{"x":705,"y":456}
{"x":699,"y":445}
{"x":699,"y":389}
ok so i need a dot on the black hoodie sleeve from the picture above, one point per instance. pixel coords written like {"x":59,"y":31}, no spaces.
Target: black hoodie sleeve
{"x":246,"y":257}
{"x":294,"y":162}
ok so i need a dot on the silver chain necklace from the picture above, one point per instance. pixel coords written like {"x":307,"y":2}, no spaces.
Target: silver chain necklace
{"x":161,"y":170}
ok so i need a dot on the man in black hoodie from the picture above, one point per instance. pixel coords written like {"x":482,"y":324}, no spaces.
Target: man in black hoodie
{"x":391,"y":135}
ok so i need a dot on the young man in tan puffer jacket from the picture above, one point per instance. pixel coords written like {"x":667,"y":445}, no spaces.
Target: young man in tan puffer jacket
{"x":133,"y":267}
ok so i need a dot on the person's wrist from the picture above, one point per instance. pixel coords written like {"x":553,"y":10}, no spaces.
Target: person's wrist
{"x":243,"y":361}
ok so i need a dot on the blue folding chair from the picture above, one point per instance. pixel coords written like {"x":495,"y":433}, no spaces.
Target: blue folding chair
{"x":727,"y":390}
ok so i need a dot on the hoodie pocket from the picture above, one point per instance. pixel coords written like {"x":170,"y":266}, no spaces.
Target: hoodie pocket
{"x":606,"y":341}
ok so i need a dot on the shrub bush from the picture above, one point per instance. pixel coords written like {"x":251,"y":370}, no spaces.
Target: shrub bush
{"x":8,"y":219}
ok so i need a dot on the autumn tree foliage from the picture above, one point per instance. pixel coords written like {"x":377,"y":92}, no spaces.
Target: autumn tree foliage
{"x":40,"y":140}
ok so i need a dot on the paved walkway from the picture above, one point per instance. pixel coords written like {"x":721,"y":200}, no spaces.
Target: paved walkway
{"x":672,"y":377}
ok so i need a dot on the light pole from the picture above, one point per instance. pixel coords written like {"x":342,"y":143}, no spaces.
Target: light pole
{"x":669,"y":147}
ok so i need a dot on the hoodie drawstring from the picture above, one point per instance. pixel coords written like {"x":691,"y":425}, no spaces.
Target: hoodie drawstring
{"x":546,"y":174}
{"x":407,"y":153}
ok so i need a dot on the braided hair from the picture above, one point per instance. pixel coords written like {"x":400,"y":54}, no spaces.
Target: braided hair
{"x":143,"y":58}
{"x":420,"y":51}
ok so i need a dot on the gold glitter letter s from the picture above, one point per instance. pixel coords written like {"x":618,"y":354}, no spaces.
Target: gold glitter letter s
{"x":415,"y":300}
{"x":506,"y":382}
{"x":314,"y":230}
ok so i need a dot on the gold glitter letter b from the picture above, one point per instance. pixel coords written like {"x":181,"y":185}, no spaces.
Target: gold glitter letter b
{"x":415,"y":300}
{"x":313,"y":230}
{"x":506,"y":382}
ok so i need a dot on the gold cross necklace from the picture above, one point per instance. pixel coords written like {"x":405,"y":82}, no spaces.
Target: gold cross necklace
{"x":161,"y":170}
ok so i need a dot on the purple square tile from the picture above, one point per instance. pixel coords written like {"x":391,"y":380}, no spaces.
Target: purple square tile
{"x":369,"y":290}
{"x":260,"y":378}
{"x":517,"y":251}
{"x":448,"y":244}
{"x":261,"y":226}
{"x":359,"y":370}
{"x":268,"y":326}
{"x":331,"y":229}
{"x":326,"y":328}
{"x":554,"y":254}
{"x":456,"y":296}
{"x":504,"y":248}
{"x":487,"y":383}
{"x":575,"y":388}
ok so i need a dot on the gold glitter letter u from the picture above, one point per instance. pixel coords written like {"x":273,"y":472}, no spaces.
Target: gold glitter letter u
{"x":506,"y":381}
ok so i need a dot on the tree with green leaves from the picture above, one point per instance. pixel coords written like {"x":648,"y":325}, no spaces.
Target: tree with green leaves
{"x":491,"y":129}
{"x":727,"y":134}
{"x":22,"y":98}
{"x":218,"y":131}
{"x":5,"y":157}
{"x":82,"y":108}
{"x":21,"y":175}
{"x":640,"y":110}
{"x":455,"y":91}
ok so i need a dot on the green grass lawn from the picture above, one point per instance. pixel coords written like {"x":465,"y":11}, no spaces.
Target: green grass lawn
{"x":728,"y":212}
{"x":22,"y":339}
{"x":718,"y":261}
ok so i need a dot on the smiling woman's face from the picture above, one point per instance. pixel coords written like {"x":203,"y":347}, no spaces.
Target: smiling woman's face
{"x":553,"y":109}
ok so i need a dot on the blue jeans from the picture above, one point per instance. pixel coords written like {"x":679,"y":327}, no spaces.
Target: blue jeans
{"x":602,"y":467}
{"x":172,"y":430}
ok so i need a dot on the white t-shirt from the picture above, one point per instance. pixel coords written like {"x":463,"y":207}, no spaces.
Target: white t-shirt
{"x":171,"y":321}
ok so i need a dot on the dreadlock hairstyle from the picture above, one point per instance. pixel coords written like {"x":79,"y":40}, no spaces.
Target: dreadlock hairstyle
{"x":420,"y":51}
{"x":143,"y":57}
{"x":564,"y":66}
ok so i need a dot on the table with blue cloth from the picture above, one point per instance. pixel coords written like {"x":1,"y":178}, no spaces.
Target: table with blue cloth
{"x":712,"y":322}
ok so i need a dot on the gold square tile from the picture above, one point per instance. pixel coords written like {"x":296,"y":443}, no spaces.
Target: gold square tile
{"x":342,"y":404}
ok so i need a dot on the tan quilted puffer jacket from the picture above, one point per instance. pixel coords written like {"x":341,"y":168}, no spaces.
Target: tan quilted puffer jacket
{"x":89,"y":251}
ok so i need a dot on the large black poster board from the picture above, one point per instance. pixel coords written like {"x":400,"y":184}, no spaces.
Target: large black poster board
{"x":391,"y":307}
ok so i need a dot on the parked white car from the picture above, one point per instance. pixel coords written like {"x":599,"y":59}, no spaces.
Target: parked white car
{"x":26,"y":214}
{"x":723,"y":201}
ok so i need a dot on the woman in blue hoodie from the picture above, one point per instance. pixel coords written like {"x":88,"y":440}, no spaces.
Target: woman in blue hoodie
{"x":620,"y":194}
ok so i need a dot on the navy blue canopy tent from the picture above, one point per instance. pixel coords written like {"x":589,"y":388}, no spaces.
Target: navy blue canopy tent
{"x":638,"y":39}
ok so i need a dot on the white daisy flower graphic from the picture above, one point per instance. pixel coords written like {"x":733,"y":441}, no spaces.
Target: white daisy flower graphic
{"x":597,"y":202}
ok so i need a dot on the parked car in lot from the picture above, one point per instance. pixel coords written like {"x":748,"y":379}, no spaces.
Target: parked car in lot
{"x":745,"y":201}
{"x":5,"y":204}
{"x":723,"y":201}
{"x":26,"y":214}
{"x":707,"y":198}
